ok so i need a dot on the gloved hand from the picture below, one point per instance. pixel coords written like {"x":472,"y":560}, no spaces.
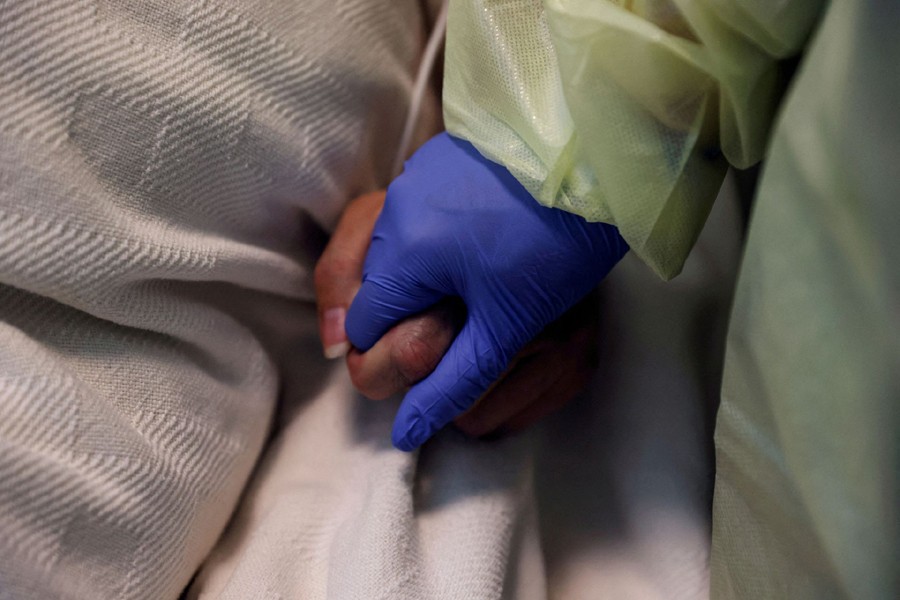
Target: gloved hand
{"x":457,"y":224}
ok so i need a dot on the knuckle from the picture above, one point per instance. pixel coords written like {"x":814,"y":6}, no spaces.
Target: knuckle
{"x":364,"y":384}
{"x":415,"y":353}
{"x":333,"y":273}
{"x":359,"y":383}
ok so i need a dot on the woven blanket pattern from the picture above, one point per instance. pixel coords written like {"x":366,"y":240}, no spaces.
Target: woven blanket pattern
{"x":166,"y":167}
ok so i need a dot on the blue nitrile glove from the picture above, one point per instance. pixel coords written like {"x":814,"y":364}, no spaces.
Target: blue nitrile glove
{"x":456,"y":224}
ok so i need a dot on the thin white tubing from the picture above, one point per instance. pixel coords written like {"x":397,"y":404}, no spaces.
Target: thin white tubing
{"x":426,"y":67}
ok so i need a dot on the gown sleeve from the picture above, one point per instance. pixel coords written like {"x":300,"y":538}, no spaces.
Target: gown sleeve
{"x":626,"y":112}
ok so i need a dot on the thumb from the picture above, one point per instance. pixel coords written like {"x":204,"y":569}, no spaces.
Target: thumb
{"x":468,"y":369}
{"x":381,"y":303}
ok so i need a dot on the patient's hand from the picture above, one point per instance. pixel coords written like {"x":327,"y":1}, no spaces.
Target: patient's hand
{"x":544,"y":376}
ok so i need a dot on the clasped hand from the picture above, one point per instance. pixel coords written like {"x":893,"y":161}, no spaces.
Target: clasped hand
{"x":463,"y":269}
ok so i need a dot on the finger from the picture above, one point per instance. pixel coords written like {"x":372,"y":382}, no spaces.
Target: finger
{"x":551,"y":400}
{"x":406,"y":354}
{"x":339,"y":270}
{"x":462,"y":376}
{"x":549,"y":371}
{"x":382,"y":303}
{"x":515,"y":391}
{"x":575,"y":358}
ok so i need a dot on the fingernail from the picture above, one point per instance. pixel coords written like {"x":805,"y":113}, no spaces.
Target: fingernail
{"x":337,"y":350}
{"x":333,"y":336}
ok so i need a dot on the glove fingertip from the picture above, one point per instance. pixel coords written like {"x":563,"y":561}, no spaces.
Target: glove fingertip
{"x":407,"y":435}
{"x":413,"y":426}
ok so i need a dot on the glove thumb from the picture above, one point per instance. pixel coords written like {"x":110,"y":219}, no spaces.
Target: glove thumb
{"x":379,"y":305}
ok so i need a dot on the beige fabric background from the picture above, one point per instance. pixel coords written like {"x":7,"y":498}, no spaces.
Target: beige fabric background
{"x":166,"y":168}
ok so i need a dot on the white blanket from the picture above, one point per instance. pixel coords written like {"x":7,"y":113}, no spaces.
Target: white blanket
{"x":166,"y":168}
